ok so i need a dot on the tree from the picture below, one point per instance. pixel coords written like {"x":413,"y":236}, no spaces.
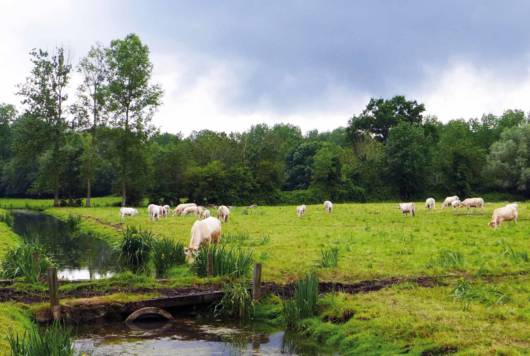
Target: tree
{"x":509,"y":160}
{"x":90,"y":108}
{"x":132,"y":102}
{"x":406,"y":159}
{"x":327,"y":170}
{"x":44,"y":94}
{"x":381,"y":115}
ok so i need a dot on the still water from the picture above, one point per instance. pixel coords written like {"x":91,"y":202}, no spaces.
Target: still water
{"x":78,"y":256}
{"x":187,"y":336}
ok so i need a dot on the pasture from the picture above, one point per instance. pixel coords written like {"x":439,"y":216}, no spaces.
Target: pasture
{"x":374,"y":241}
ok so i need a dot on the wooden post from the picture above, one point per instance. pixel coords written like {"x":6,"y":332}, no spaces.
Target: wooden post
{"x":256,"y":282}
{"x":210,"y":263}
{"x":53,"y":285}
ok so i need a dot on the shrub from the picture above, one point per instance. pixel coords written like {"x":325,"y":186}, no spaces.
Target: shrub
{"x":236,"y":302}
{"x":166,"y":254}
{"x":304,"y":302}
{"x":135,"y":248}
{"x":233,"y":262}
{"x":28,"y":261}
{"x":54,"y":341}
{"x":329,"y":257}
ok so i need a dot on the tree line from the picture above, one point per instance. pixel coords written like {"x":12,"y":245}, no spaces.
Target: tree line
{"x":99,"y":140}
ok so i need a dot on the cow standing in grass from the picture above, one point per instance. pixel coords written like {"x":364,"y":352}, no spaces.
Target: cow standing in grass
{"x":155,"y":211}
{"x":204,"y":232}
{"x":506,"y":213}
{"x":328,"y":206}
{"x":128,"y":212}
{"x":300,"y":210}
{"x":472,"y":203}
{"x":407,"y":208}
{"x":430,"y":203}
{"x":178,"y":210}
{"x":449,"y":201}
{"x":223,"y":213}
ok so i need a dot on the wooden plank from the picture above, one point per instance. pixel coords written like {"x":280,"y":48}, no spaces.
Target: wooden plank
{"x":256,"y":282}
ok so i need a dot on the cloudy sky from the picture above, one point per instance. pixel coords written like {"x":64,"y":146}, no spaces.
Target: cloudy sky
{"x":226,"y":65}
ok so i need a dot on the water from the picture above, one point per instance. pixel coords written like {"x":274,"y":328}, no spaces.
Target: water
{"x":77,"y":256}
{"x":186,"y":336}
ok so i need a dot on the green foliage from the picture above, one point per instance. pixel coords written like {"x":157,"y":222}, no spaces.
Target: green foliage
{"x":6,"y":218}
{"x":449,"y":259}
{"x":234,"y":262}
{"x":508,"y":251}
{"x":304,"y":302}
{"x":466,"y":292}
{"x":135,"y":249}
{"x":27,"y":261}
{"x":166,"y":254}
{"x":54,"y":340}
{"x":329,"y":257}
{"x":236,"y":303}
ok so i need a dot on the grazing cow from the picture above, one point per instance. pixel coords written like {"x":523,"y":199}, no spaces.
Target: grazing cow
{"x":328,"y":206}
{"x":473,"y":203}
{"x":223,"y":213}
{"x":204,"y":232}
{"x":128,"y":212}
{"x":300,"y":210}
{"x":455,"y":203}
{"x":253,"y":206}
{"x":205,"y":213}
{"x":155,"y":211}
{"x":449,"y":201}
{"x":513,"y":205}
{"x":506,"y":213}
{"x":178,"y":210}
{"x":190,"y":210}
{"x":166,"y":210}
{"x":430,"y":203}
{"x":407,"y":208}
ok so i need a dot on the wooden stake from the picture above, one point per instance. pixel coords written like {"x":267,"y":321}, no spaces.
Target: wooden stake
{"x":210,"y":263}
{"x":256,"y":282}
{"x":53,"y":286}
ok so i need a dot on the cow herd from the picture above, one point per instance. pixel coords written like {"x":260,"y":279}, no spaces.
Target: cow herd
{"x":506,"y":213}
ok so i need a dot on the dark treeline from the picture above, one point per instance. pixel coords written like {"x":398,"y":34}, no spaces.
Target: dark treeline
{"x":98,"y":140}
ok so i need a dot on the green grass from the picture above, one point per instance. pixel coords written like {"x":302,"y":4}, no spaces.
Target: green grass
{"x":54,"y":340}
{"x":8,"y":239}
{"x":375,"y":240}
{"x":14,"y":320}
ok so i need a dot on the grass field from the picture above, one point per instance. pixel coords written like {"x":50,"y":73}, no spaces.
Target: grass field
{"x":374,"y":240}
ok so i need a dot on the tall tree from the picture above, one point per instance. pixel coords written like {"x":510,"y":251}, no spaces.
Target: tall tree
{"x":132,"y":102}
{"x":90,"y":108}
{"x":44,"y":95}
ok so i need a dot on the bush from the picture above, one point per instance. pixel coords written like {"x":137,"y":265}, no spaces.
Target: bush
{"x":28,"y":261}
{"x":233,"y":262}
{"x":166,"y":254}
{"x":304,"y":302}
{"x":135,"y":248}
{"x":330,"y":257}
{"x":236,"y":302}
{"x":53,"y":341}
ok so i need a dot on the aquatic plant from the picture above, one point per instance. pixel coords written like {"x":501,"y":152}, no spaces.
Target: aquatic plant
{"x":135,"y":249}
{"x":329,"y":257}
{"x":54,"y":340}
{"x":236,"y":302}
{"x":28,"y":261}
{"x":304,"y":302}
{"x":166,"y":254}
{"x":235,"y":262}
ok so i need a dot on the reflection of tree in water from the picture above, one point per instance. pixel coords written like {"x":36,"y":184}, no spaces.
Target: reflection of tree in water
{"x":68,"y":247}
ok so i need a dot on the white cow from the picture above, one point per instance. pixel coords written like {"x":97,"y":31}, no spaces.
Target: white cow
{"x":204,"y":232}
{"x":472,"y":203}
{"x":128,"y":212}
{"x":328,"y":206}
{"x":506,"y":213}
{"x":300,"y":210}
{"x":205,"y":214}
{"x":430,"y":203}
{"x":407,"y":208}
{"x":455,"y":203}
{"x":449,"y":201}
{"x":167,"y":208}
{"x":190,"y":210}
{"x":223,"y":213}
{"x":178,"y":210}
{"x":155,"y":211}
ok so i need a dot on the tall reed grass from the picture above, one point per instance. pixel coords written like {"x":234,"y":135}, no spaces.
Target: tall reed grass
{"x":54,"y":340}
{"x":304,"y":302}
{"x":236,"y":302}
{"x":166,"y":254}
{"x":27,"y":261}
{"x":234,"y":262}
{"x":135,"y":249}
{"x":329,"y":257}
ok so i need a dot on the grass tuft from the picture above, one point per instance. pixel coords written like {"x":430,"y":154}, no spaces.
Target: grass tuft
{"x":27,"y":261}
{"x":329,"y":257}
{"x":304,"y":302}
{"x":236,"y":302}
{"x":166,"y":254}
{"x":54,"y":340}
{"x":509,"y":252}
{"x":135,"y":248}
{"x":234,"y":262}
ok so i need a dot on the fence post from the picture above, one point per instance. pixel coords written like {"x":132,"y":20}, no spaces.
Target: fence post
{"x":256,"y":282}
{"x":53,"y":286}
{"x":210,"y":263}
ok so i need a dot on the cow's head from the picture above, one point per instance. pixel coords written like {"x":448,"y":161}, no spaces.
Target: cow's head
{"x":493,"y":224}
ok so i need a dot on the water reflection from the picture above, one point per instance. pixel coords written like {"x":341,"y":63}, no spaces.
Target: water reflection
{"x":78,"y":256}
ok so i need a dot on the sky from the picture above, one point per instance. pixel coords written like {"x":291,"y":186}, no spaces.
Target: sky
{"x":228,"y":65}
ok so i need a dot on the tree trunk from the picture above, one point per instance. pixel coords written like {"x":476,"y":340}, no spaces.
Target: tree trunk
{"x":88,"y":193}
{"x":123,"y":194}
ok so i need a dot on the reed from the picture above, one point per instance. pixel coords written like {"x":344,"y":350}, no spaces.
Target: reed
{"x":234,"y":262}
{"x":54,"y":340}
{"x":166,"y":254}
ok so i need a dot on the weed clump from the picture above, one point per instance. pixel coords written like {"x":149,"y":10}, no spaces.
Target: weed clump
{"x":466,"y":292}
{"x":135,"y":248}
{"x":304,"y":302}
{"x":515,"y":256}
{"x":448,"y":259}
{"x":166,"y":254}
{"x":236,"y":302}
{"x":329,"y":257}
{"x":28,"y":261}
{"x":234,"y":262}
{"x":55,"y":340}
